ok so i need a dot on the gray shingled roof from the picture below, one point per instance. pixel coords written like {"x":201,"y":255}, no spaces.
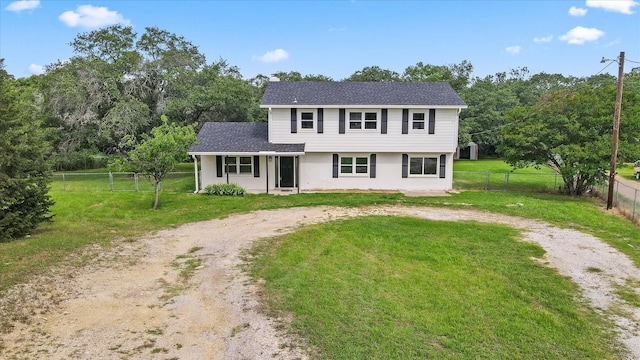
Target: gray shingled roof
{"x":238,"y":137}
{"x":360,"y":93}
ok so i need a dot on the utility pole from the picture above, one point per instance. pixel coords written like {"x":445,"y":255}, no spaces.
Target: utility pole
{"x":616,"y":130}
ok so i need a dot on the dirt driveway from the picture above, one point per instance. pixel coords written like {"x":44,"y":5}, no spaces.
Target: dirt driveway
{"x":180,"y":294}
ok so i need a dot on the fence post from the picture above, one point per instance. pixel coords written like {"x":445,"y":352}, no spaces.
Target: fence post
{"x":64,"y":184}
{"x":135,"y":180}
{"x":110,"y":181}
{"x":486,"y":184}
{"x":506,"y":181}
{"x":635,"y":202}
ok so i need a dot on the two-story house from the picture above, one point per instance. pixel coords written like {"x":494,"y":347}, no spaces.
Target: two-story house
{"x":338,"y":136}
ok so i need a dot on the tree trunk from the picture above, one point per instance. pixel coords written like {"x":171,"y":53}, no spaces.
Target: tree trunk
{"x":157,"y":193}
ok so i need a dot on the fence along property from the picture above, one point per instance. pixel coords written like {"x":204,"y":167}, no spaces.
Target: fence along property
{"x":120,"y":182}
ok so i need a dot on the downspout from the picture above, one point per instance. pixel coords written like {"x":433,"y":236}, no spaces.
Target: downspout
{"x":267,"y":163}
{"x":195,"y":166}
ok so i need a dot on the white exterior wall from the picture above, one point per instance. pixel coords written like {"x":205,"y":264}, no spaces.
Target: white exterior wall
{"x":247,"y":181}
{"x":316,"y":173}
{"x":443,"y":141}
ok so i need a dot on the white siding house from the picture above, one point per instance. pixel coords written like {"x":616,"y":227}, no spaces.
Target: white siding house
{"x":338,"y":136}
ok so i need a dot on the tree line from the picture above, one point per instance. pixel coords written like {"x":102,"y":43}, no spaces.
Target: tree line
{"x":119,"y":86}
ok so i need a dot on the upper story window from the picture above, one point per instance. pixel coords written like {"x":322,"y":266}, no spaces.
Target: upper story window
{"x":306,"y":119}
{"x":363,"y":120}
{"x":418,"y":121}
{"x":423,"y":120}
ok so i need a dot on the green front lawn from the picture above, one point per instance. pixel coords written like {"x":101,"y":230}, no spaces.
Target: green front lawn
{"x":404,"y":288}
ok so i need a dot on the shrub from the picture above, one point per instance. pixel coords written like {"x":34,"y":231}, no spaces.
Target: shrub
{"x":225,"y":190}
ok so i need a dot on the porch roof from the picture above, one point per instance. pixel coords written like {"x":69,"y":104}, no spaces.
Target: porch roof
{"x":239,"y":138}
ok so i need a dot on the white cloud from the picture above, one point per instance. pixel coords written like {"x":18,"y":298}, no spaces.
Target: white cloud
{"x":621,"y":6}
{"x":21,"y":5}
{"x":544,"y":39}
{"x":513,"y":49}
{"x":574,"y":11}
{"x":580,"y":35}
{"x":274,"y":56}
{"x":36,"y":69}
{"x":89,"y":16}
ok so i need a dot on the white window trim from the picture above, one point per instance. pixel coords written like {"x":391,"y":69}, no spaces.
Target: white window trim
{"x":315,"y":120}
{"x":426,"y":120}
{"x":348,"y":112}
{"x":237,"y":165}
{"x":422,"y":156}
{"x":354,"y":165}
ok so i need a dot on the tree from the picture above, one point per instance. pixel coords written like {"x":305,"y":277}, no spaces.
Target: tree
{"x":157,"y":154}
{"x":24,"y":173}
{"x":569,"y":131}
{"x":457,"y":75}
{"x":374,"y":73}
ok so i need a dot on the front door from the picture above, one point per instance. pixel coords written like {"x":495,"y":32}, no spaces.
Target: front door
{"x":286,"y":171}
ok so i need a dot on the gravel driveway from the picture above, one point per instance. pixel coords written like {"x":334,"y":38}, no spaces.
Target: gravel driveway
{"x":132,"y":301}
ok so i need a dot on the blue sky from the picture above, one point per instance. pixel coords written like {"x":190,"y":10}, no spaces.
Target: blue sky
{"x":337,"y":38}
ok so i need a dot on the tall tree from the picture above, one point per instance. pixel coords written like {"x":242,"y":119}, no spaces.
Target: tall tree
{"x":24,"y":173}
{"x":457,"y":75}
{"x":374,"y":73}
{"x":569,"y":131}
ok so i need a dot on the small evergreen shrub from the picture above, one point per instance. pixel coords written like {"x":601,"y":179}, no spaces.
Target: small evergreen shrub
{"x":225,"y":190}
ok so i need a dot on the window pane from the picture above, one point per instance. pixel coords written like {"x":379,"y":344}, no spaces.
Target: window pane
{"x":244,"y":160}
{"x":362,"y":161}
{"x":245,"y":169}
{"x":355,"y":116}
{"x":346,"y":161}
{"x":306,"y":116}
{"x":361,"y":169}
{"x":370,"y":125}
{"x":415,"y":166}
{"x":418,"y":116}
{"x":346,"y":169}
{"x":418,"y":125}
{"x":307,"y":124}
{"x":430,"y":166}
{"x":232,"y":169}
{"x":230,"y":160}
{"x":370,"y":116}
{"x":355,"y":125}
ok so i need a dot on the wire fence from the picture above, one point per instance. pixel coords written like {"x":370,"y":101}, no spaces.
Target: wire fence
{"x":626,"y":198}
{"x":120,"y":182}
{"x":475,"y":180}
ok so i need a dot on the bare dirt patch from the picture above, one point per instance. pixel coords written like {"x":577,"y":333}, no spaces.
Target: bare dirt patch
{"x":181,"y":293}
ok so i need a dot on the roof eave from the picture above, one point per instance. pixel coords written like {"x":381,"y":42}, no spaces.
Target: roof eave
{"x":356,"y":106}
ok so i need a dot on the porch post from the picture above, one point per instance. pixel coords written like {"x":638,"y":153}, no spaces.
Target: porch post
{"x":266,"y":161}
{"x":297,"y":166}
{"x":226,"y":166}
{"x":195,"y":165}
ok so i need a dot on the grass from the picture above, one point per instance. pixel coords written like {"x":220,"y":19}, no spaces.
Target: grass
{"x":101,"y":217}
{"x":404,"y":288}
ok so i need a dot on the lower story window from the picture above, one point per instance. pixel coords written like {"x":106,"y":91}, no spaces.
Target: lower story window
{"x":239,"y":164}
{"x":354,"y":165}
{"x":423,"y":166}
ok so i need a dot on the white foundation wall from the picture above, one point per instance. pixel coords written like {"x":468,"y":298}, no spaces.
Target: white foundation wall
{"x":316,"y":173}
